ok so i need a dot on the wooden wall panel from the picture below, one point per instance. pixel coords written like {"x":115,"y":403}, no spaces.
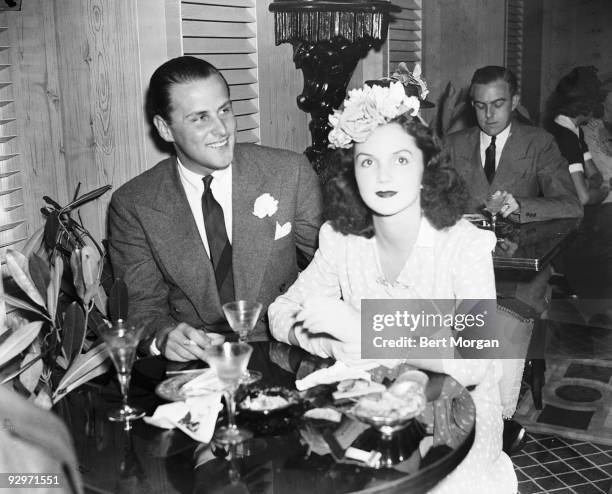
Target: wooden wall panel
{"x":282,"y":123}
{"x":37,"y":107}
{"x":458,"y":38}
{"x":575,"y":32}
{"x":101,"y":98}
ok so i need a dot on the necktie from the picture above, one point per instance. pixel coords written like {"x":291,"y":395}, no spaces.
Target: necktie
{"x":489,"y":167}
{"x":218,"y":243}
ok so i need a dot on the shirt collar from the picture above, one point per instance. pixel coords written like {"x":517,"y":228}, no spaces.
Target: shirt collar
{"x":500,"y":139}
{"x":567,"y":122}
{"x":222,"y":177}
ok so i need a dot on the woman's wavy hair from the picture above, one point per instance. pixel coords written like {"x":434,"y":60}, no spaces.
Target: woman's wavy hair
{"x":444,"y":196}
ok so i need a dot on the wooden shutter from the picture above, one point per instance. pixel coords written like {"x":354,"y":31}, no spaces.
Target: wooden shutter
{"x":405,"y":34}
{"x":13,"y":228}
{"x":223,"y":32}
{"x":514,"y":37}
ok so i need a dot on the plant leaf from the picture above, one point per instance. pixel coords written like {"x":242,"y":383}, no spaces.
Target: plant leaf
{"x":33,"y":243}
{"x":19,"y":341}
{"x":17,"y":264}
{"x":77,"y":273}
{"x":101,"y":300}
{"x":22,"y":304}
{"x":96,"y":371}
{"x":118,"y":301}
{"x":74,"y":331}
{"x":52,"y":225}
{"x":82,"y":365}
{"x":39,"y":272}
{"x":96,"y":322}
{"x":30,"y":372}
{"x":89,"y":196}
{"x":90,"y":264}
{"x":3,"y":327}
{"x":53,"y":290}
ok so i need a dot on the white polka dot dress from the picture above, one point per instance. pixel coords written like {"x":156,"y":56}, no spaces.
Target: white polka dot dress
{"x":452,"y":263}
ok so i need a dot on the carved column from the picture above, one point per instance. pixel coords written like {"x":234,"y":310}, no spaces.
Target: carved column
{"x":328,"y":38}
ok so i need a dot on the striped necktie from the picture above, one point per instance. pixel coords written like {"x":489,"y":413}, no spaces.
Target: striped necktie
{"x":218,"y":243}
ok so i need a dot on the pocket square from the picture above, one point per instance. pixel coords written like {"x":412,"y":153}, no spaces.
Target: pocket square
{"x":282,"y":230}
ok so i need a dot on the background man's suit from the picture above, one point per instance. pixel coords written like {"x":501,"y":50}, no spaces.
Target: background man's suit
{"x":531,"y":168}
{"x":156,"y":249}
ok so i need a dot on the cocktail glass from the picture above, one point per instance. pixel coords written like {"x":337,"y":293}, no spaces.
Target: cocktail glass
{"x":121,"y":341}
{"x":242,"y":317}
{"x":493,"y":207}
{"x":229,"y":361}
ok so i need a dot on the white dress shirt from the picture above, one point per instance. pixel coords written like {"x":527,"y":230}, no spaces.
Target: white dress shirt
{"x":500,"y":142}
{"x":221,"y":187}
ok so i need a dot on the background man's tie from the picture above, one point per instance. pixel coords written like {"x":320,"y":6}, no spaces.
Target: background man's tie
{"x":220,"y":247}
{"x":489,"y":167}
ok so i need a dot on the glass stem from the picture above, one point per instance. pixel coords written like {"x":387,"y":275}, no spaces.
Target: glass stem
{"x":124,"y":384}
{"x":231,"y":408}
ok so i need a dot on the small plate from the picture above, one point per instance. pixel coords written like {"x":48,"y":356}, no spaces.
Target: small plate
{"x":171,"y":389}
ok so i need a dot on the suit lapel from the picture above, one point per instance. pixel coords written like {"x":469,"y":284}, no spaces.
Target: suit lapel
{"x":472,"y":163}
{"x":252,"y":237}
{"x":176,"y":234}
{"x":510,"y":155}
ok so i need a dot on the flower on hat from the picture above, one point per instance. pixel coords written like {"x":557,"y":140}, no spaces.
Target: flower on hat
{"x":413,"y":78}
{"x":367,"y":108}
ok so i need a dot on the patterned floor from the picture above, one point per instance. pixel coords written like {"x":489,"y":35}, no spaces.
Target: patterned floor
{"x":552,"y":464}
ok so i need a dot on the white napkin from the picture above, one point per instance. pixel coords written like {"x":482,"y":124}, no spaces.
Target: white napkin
{"x":196,"y":416}
{"x":337,"y":372}
{"x":202,"y":384}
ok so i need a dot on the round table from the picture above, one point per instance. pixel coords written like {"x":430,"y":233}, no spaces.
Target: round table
{"x":283,"y":457}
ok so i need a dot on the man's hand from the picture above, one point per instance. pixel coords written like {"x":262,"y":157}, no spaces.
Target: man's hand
{"x":509,"y":205}
{"x":332,"y":316}
{"x":184,"y":343}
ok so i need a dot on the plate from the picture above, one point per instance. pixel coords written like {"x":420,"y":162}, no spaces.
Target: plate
{"x":171,"y":388}
{"x":268,"y":400}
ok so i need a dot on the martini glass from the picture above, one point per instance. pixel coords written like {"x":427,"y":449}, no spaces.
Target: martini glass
{"x":229,"y":361}
{"x":121,"y":341}
{"x":242,"y":316}
{"x":493,"y":206}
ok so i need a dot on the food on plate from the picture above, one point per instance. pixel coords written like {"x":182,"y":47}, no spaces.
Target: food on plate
{"x":324,"y":414}
{"x":390,"y":405}
{"x":262,"y":402}
{"x":351,"y":388}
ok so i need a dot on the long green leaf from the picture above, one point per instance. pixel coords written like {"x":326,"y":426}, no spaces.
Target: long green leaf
{"x":30,"y":372}
{"x":22,"y":304}
{"x":53,"y":290}
{"x":96,"y":371}
{"x":82,"y":365}
{"x":39,"y":273}
{"x":3,"y":327}
{"x":33,"y":243}
{"x":17,"y":265}
{"x":77,"y":273}
{"x":19,"y":341}
{"x":74,"y":331}
{"x":89,"y":196}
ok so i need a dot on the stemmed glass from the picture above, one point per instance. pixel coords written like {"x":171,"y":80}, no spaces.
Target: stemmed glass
{"x":493,"y":207}
{"x":229,"y":361}
{"x":121,"y":341}
{"x":242,"y":316}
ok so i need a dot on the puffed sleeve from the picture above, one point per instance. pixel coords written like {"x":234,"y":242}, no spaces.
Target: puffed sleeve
{"x":319,"y":279}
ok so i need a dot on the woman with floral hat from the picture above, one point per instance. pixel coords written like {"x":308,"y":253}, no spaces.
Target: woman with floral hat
{"x":394,"y":231}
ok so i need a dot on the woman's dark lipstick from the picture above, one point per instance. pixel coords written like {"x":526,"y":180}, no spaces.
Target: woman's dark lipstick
{"x":386,"y":193}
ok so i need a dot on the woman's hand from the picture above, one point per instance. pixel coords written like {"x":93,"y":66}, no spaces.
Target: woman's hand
{"x":331,"y":316}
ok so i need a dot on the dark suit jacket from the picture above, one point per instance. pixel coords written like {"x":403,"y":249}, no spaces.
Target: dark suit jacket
{"x":156,"y":249}
{"x":531,"y":168}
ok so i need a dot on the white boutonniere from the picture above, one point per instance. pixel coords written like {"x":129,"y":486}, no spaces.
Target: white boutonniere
{"x":265,"y":205}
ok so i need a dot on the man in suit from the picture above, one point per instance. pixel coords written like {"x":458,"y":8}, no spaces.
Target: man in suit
{"x":522,"y":168}
{"x":216,"y":222}
{"x":520,"y":162}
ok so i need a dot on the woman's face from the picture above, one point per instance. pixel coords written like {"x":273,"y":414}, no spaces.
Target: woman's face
{"x":389,"y":170}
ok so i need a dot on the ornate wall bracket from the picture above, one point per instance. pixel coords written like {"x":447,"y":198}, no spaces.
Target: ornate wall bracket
{"x":328,"y":38}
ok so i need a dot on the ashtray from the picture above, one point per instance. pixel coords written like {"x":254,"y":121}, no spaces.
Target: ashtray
{"x":269,"y":410}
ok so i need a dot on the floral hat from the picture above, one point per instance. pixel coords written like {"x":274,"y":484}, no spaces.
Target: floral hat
{"x":376,"y":103}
